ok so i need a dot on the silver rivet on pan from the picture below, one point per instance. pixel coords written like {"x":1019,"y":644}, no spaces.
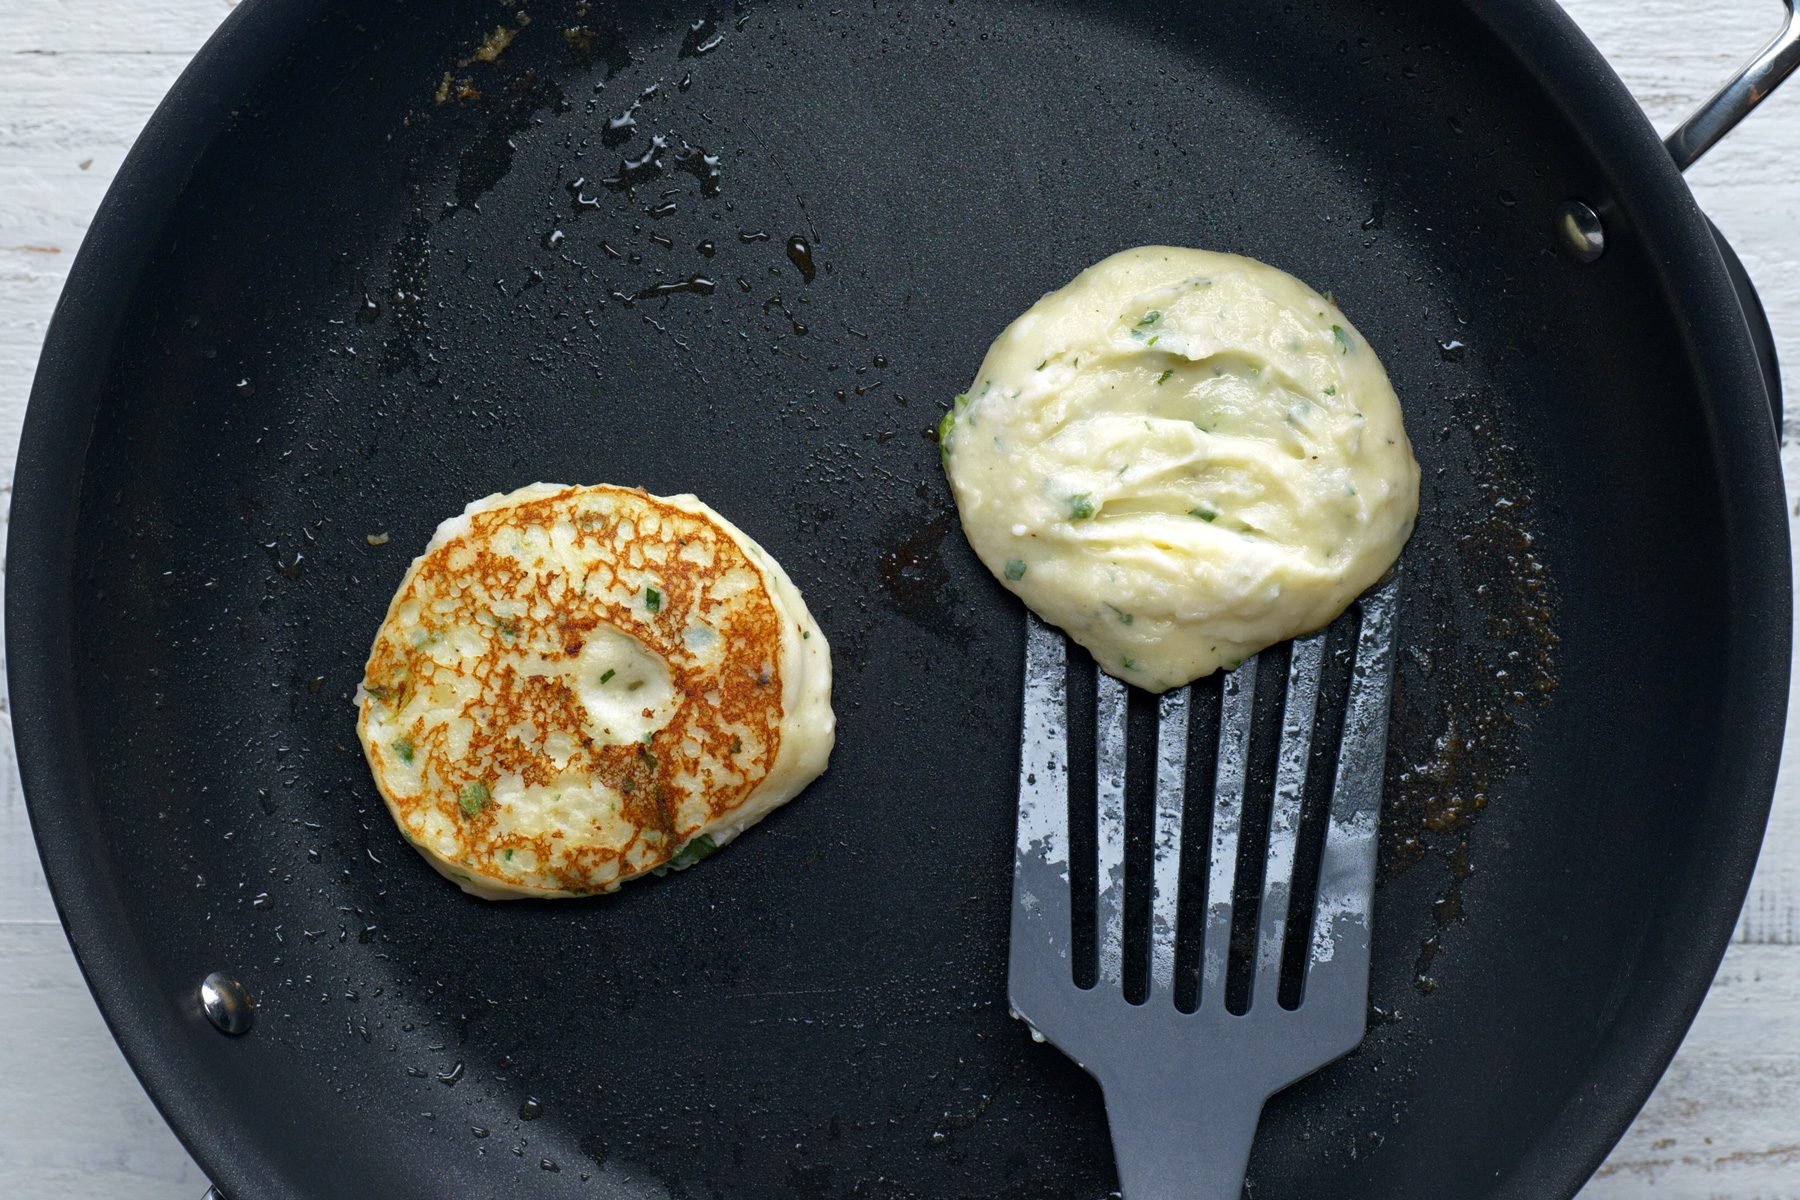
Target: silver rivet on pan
{"x":1579,"y":231}
{"x":226,"y":1004}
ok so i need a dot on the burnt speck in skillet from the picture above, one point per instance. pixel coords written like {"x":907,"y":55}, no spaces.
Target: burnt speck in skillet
{"x":1464,"y":686}
{"x":606,"y":44}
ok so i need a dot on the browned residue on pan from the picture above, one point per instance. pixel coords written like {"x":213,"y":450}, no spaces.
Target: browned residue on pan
{"x":1496,"y":662}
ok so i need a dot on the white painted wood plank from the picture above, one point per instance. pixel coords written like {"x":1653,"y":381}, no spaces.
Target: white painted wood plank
{"x":24,"y":898}
{"x":1723,"y":1124}
{"x":77,"y":80}
{"x":66,"y":122}
{"x":74,"y":1125}
{"x":116,"y":27}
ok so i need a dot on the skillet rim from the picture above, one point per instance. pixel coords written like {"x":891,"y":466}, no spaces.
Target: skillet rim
{"x":1680,"y":241}
{"x":1549,"y":50}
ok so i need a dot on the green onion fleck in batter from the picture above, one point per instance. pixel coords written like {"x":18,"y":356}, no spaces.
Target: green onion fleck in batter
{"x":474,"y":797}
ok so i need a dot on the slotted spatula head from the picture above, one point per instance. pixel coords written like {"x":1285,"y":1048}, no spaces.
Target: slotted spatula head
{"x":1185,"y":1089}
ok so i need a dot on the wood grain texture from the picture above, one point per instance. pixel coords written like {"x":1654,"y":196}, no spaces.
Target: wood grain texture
{"x":77,"y":80}
{"x":73,"y":1122}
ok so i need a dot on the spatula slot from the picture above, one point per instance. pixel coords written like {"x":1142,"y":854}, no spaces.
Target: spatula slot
{"x":1321,"y":770}
{"x":1196,"y":836}
{"x":1271,"y":668}
{"x":1083,"y":818}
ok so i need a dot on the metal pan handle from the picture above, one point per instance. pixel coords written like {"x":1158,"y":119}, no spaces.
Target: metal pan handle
{"x":1743,"y":92}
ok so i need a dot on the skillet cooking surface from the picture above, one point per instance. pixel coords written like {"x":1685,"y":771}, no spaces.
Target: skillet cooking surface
{"x":367,"y":307}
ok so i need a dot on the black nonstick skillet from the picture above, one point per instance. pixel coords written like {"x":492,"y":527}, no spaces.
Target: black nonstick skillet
{"x":370,"y":261}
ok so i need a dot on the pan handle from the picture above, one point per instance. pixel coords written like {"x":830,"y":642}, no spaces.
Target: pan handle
{"x":1743,"y":92}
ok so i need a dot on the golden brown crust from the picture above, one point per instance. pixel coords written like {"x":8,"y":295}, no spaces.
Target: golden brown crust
{"x":530,"y":725}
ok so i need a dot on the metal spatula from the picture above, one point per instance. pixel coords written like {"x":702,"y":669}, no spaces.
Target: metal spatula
{"x":1184,"y":1090}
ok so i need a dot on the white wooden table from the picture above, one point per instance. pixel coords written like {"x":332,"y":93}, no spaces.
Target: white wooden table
{"x":78,"y":78}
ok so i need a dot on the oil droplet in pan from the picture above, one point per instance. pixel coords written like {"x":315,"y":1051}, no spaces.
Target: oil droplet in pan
{"x":642,"y":169}
{"x":702,"y":166}
{"x":620,"y":129}
{"x":703,"y":37}
{"x":800,"y":254}
{"x":700,"y":285}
